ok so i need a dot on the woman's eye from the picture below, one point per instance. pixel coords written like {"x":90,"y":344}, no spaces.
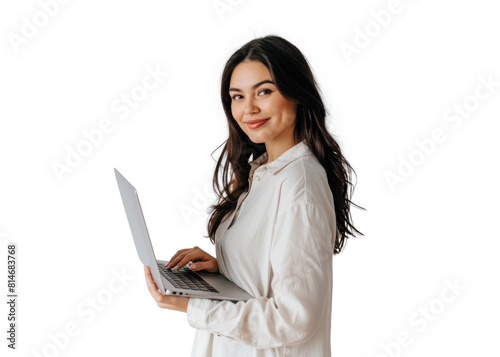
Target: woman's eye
{"x":263,"y":91}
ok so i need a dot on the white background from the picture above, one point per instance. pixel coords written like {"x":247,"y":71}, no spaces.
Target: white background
{"x":437,"y":226}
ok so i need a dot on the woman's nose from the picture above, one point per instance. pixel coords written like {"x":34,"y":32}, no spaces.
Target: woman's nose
{"x":251,"y":106}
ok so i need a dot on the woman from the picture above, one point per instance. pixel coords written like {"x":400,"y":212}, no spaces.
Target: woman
{"x":279,"y":219}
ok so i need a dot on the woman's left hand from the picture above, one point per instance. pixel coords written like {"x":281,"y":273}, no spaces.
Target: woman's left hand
{"x":178,"y":303}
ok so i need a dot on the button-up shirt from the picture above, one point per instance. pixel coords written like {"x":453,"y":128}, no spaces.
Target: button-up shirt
{"x":278,"y":246}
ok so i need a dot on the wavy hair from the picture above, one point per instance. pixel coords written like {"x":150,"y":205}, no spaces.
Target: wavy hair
{"x":294,"y":79}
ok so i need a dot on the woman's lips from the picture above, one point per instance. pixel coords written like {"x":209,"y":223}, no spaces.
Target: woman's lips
{"x":256,"y":124}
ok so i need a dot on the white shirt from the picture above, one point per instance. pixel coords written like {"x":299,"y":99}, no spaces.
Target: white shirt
{"x":278,"y":246}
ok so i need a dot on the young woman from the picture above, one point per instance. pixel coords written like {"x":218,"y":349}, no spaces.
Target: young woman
{"x":278,"y":220}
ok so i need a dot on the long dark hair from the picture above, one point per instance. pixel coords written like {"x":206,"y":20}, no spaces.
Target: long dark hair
{"x":294,"y":79}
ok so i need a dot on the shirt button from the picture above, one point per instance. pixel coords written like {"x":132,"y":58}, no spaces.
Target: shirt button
{"x":257,"y":178}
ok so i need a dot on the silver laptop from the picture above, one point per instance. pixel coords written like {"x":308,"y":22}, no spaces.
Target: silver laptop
{"x":183,"y":282}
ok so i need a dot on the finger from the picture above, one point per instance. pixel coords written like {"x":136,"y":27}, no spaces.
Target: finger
{"x":194,"y":256}
{"x":173,"y":262}
{"x":210,"y":266}
{"x":149,"y":279}
{"x":177,"y":256}
{"x":149,"y":276}
{"x":180,"y":261}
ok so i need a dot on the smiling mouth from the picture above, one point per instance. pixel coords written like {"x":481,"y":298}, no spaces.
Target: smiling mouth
{"x":254,"y":124}
{"x":256,"y":121}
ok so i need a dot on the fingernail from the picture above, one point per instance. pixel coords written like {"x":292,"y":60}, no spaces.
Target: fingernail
{"x":176,"y":267}
{"x":193,"y":266}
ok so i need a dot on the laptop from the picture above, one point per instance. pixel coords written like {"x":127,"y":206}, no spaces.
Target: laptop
{"x":183,"y":282}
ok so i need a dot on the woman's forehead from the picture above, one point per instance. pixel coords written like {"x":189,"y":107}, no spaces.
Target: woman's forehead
{"x":246,"y":74}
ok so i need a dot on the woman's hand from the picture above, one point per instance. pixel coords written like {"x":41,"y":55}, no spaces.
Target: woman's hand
{"x":201,"y":260}
{"x":177,"y":303}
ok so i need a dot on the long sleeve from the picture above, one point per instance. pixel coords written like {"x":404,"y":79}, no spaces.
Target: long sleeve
{"x":301,"y":263}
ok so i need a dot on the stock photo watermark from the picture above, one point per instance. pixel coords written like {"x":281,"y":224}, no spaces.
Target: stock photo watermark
{"x":12,"y":292}
{"x":221,"y":7}
{"x":32,"y":25}
{"x":454,"y":118}
{"x":203,"y":198}
{"x":200,"y":201}
{"x":86,"y":312}
{"x":424,"y":316}
{"x":94,"y":137}
{"x":373,"y":28}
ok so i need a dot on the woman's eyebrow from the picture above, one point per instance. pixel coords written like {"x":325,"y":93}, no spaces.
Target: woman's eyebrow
{"x":254,"y":86}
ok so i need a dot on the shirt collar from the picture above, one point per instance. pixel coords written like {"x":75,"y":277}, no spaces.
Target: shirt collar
{"x":292,"y":154}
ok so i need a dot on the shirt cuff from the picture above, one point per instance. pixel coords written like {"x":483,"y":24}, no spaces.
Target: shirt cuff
{"x":197,"y":312}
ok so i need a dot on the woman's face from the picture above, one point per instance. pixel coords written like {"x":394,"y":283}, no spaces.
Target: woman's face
{"x":254,"y":96}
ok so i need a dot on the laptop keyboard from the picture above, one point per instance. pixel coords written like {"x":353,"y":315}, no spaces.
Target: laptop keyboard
{"x":185,"y":278}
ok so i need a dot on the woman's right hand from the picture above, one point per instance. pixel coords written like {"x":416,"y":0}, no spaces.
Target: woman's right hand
{"x":201,"y":260}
